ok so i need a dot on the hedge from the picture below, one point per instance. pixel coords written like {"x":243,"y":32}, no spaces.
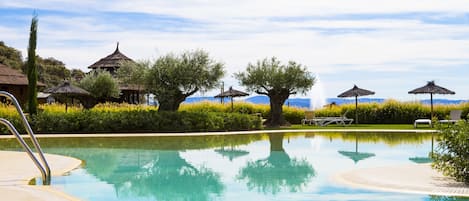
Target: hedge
{"x":392,"y":112}
{"x":143,"y":121}
{"x":101,"y":121}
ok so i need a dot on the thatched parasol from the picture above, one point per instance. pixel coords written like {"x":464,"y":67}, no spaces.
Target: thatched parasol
{"x":68,"y":91}
{"x":427,"y":159}
{"x":355,"y":155}
{"x":431,"y":88}
{"x":355,"y":92}
{"x":231,"y":153}
{"x":231,"y":93}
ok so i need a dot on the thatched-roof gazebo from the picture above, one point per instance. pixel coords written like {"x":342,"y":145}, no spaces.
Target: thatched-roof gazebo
{"x":111,"y":63}
{"x":15,"y":82}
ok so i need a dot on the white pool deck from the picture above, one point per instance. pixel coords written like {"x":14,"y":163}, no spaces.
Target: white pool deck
{"x":17,"y":169}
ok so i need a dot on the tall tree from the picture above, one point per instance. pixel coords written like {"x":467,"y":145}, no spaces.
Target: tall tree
{"x":277,"y":81}
{"x":174,"y":78}
{"x":32,"y":69}
{"x":10,"y":56}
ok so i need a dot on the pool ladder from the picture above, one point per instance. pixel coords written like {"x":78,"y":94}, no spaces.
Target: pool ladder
{"x":44,"y":166}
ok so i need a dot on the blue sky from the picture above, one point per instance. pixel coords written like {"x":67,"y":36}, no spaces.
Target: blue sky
{"x":389,"y":47}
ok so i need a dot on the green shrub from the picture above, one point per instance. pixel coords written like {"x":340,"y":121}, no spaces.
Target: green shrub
{"x":89,"y":121}
{"x":391,"y":112}
{"x":452,"y":153}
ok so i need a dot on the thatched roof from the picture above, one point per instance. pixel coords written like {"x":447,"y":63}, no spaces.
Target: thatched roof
{"x":231,"y":93}
{"x":10,"y":76}
{"x":431,"y":88}
{"x":356,"y":156}
{"x":111,"y":61}
{"x":355,"y":91}
{"x":67,"y":89}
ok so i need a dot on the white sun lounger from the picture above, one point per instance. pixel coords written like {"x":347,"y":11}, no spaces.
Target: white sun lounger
{"x":422,"y":121}
{"x":344,"y":121}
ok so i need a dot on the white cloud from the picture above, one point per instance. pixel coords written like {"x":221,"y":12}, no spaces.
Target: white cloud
{"x":314,"y":33}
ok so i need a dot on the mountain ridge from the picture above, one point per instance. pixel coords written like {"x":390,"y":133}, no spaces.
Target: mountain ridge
{"x":305,"y":102}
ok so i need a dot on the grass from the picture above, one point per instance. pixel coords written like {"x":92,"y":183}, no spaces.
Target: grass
{"x":362,"y":126}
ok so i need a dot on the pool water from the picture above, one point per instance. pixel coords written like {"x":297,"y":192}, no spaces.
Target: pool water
{"x":281,"y":166}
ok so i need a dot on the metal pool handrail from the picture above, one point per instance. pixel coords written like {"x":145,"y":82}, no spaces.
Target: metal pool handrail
{"x":26,"y":147}
{"x":44,"y":168}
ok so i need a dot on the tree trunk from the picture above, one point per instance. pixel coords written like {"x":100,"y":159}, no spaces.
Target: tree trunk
{"x":276,"y":141}
{"x":276,"y":117}
{"x":171,"y":103}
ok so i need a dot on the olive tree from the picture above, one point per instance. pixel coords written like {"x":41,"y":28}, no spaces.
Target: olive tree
{"x":101,"y":85}
{"x":277,"y":81}
{"x":133,"y":73}
{"x":172,"y":78}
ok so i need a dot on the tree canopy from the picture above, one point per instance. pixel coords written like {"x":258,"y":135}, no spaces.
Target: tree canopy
{"x":173,"y":78}
{"x":10,"y":56}
{"x":51,"y":71}
{"x":277,"y":81}
{"x":102,"y":86}
{"x":133,"y":73}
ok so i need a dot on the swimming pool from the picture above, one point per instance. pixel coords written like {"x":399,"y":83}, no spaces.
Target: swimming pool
{"x":280,"y":166}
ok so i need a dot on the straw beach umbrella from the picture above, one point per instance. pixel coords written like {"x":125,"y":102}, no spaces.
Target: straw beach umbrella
{"x":355,"y":155}
{"x":431,"y":88}
{"x":355,"y":92}
{"x":68,"y":91}
{"x":231,"y":153}
{"x":231,"y":93}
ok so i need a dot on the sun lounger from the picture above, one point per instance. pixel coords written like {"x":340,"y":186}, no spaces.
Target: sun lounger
{"x":422,"y":121}
{"x":324,"y":121}
{"x":454,"y":115}
{"x":309,"y":117}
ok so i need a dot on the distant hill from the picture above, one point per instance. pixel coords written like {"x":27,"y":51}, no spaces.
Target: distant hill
{"x":305,"y":102}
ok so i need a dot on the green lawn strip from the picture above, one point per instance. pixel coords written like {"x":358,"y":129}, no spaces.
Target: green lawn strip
{"x":360,"y":126}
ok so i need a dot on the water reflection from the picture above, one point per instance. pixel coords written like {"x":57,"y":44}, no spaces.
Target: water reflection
{"x":162,"y":175}
{"x":278,"y":171}
{"x":243,"y":167}
{"x":424,"y":159}
{"x":355,"y":155}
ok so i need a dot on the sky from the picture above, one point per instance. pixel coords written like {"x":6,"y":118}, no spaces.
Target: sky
{"x":387,"y":46}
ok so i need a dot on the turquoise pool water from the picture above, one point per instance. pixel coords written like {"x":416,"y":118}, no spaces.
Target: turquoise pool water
{"x":285,"y":166}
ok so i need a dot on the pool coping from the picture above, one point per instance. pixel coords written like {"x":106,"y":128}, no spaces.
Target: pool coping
{"x":222,"y":133}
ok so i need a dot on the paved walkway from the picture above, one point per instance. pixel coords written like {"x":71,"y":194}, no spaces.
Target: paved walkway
{"x":17,"y":169}
{"x":414,"y":178}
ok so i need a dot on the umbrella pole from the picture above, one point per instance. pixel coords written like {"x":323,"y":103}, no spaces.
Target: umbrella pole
{"x":356,"y":110}
{"x":232,"y":104}
{"x":356,"y":144}
{"x":431,"y":105}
